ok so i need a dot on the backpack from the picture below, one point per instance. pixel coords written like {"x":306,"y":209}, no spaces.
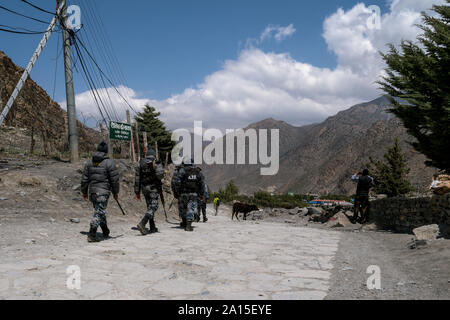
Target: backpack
{"x":191,"y":180}
{"x":148,"y":173}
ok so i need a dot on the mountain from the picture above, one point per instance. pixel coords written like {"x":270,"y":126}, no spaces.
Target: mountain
{"x":321,"y":158}
{"x":36,"y":112}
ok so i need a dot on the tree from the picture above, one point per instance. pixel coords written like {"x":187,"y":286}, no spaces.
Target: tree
{"x":390,"y":174}
{"x":419,"y":76}
{"x":149,"y":122}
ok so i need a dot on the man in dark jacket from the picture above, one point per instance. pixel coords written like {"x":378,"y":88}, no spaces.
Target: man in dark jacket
{"x":365,"y":183}
{"x":100,"y":178}
{"x":188,"y":185}
{"x":203,"y":200}
{"x":148,"y":180}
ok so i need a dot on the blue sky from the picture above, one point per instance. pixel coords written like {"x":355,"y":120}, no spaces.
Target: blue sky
{"x":167,"y":47}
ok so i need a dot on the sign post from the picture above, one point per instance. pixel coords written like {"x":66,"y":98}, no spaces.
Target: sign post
{"x":119,"y":131}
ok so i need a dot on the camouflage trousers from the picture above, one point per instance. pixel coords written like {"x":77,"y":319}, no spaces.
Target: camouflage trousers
{"x":188,"y":206}
{"x":202,"y":208}
{"x":100,"y":202}
{"x":151,"y":198}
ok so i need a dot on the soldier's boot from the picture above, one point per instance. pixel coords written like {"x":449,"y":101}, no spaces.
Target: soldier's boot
{"x":183,"y":223}
{"x":189,"y":226}
{"x":153,"y":227}
{"x":92,"y":236}
{"x":105,"y":231}
{"x":141,"y":227}
{"x":205,"y":219}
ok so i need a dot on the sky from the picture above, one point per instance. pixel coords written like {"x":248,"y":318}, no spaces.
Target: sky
{"x":226,"y":63}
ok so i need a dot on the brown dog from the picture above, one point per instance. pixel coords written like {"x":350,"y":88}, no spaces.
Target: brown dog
{"x":244,"y":208}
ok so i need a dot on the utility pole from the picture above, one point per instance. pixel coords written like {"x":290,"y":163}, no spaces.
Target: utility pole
{"x":137,"y":142}
{"x":70,"y":94}
{"x":132,"y":154}
{"x":144,"y":134}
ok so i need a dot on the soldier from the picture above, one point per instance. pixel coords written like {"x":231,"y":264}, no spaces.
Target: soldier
{"x":188,"y":185}
{"x":148,"y":180}
{"x":100,"y":177}
{"x":365,"y":183}
{"x":203,"y":200}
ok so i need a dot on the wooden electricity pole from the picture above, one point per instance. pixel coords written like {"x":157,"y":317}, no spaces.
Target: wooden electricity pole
{"x":137,"y":142}
{"x":132,"y":153}
{"x":70,"y":93}
{"x":144,"y":134}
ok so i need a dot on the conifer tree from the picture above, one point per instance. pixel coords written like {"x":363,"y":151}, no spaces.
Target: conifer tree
{"x":391,"y":174}
{"x":148,"y":121}
{"x":419,"y":75}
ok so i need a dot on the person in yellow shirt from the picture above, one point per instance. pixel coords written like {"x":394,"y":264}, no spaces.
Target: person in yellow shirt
{"x":216,"y":204}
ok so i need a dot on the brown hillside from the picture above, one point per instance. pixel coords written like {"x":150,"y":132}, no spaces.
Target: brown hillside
{"x":36,"y":112}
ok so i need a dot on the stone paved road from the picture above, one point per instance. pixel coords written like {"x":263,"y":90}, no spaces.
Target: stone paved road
{"x":222,"y":259}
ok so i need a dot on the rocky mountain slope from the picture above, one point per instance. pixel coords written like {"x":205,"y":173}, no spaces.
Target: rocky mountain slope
{"x":321,"y":158}
{"x":36,"y":112}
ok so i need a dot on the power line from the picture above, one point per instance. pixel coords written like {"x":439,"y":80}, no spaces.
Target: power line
{"x":38,"y":8}
{"x":21,"y":32}
{"x":22,"y":15}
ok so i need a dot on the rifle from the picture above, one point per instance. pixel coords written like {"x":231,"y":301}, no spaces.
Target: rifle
{"x":118,"y":203}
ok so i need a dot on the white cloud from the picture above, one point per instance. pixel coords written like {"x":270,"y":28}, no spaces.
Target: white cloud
{"x":87,"y":108}
{"x":259,"y":85}
{"x":277,"y":32}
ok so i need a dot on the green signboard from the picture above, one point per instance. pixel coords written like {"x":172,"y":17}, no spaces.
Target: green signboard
{"x":119,"y":131}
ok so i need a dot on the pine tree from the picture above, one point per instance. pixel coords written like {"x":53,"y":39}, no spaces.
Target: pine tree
{"x":420,"y":76}
{"x":391,"y":174}
{"x":148,"y":121}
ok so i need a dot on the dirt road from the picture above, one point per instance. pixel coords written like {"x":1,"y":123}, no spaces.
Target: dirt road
{"x":219,"y":260}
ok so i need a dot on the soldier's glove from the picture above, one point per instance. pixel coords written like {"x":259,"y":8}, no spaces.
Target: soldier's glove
{"x":138,"y":197}
{"x":116,"y":197}
{"x":85,"y":197}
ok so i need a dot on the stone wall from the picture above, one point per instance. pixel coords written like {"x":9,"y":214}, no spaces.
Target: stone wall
{"x":405,"y":214}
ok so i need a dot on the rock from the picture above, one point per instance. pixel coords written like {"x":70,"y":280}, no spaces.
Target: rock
{"x":3,"y":199}
{"x":30,"y":182}
{"x":76,"y":187}
{"x":369,"y":227}
{"x":315,"y":217}
{"x":75,"y":220}
{"x":52,"y":220}
{"x":303,"y":212}
{"x":30,"y":241}
{"x":315,"y":211}
{"x":430,"y":232}
{"x":339,"y":220}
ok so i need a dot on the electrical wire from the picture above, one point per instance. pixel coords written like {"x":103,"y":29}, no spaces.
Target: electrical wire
{"x":38,"y":8}
{"x":22,"y":15}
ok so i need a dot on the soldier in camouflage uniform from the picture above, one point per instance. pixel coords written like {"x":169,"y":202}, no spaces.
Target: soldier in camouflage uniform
{"x":100,"y":177}
{"x":203,"y":200}
{"x":188,"y":185}
{"x":148,"y":178}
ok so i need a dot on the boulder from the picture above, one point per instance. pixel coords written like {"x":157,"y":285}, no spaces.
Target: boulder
{"x":430,"y":232}
{"x":315,"y":211}
{"x":294,"y":212}
{"x":339,"y":220}
{"x":303,"y":212}
{"x":30,"y":182}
